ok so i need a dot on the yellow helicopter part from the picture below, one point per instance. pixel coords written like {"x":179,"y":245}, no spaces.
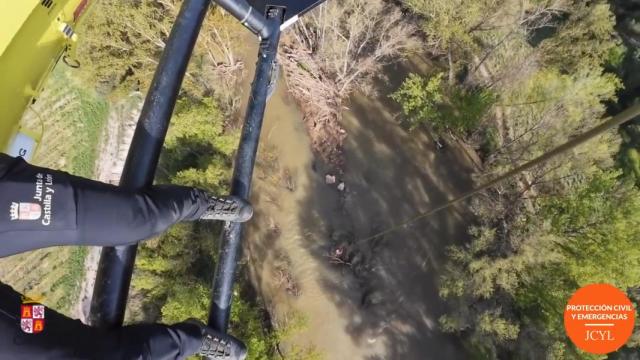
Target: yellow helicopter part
{"x":34,"y":36}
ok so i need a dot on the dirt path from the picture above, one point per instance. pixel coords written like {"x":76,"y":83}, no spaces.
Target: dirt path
{"x":383,"y":303}
{"x":113,"y":153}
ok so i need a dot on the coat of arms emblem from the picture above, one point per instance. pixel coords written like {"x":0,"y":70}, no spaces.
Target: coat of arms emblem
{"x":32,"y":318}
{"x":25,"y":211}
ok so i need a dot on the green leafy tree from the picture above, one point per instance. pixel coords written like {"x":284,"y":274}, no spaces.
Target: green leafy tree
{"x":453,"y":23}
{"x":511,"y":299}
{"x":599,"y":228}
{"x":430,"y":102}
{"x":186,"y":300}
{"x":120,"y":53}
{"x":122,"y":50}
{"x":198,"y":148}
{"x":420,"y":98}
{"x":586,"y":40}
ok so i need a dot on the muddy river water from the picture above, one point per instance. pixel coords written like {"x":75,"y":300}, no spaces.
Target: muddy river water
{"x":379,"y":298}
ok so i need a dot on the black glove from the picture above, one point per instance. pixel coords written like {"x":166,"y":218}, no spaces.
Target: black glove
{"x":218,"y":346}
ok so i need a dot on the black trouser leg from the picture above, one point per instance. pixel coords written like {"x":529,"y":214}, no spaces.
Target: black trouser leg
{"x":109,"y":216}
{"x":44,"y":207}
{"x":64,"y":338}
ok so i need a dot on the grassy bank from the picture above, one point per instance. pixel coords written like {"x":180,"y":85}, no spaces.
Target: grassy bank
{"x":70,"y":120}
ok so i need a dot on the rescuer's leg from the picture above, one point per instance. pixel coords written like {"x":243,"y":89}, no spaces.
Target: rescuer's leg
{"x":45,"y":207}
{"x":60,"y":337}
{"x":108,"y":215}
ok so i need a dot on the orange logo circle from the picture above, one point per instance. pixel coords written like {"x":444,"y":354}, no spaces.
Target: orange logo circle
{"x":599,"y":318}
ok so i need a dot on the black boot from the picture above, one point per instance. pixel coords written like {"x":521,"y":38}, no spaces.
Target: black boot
{"x":228,"y":208}
{"x":218,"y":346}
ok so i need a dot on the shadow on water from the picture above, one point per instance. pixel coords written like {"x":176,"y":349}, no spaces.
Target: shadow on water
{"x":382,"y":302}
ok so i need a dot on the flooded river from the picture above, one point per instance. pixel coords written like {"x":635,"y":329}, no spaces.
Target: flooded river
{"x":379,"y":298}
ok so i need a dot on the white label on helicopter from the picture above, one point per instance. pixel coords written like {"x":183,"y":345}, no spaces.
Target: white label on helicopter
{"x":22,"y":145}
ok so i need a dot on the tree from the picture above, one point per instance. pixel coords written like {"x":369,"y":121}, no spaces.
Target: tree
{"x":545,"y":109}
{"x":516,"y":53}
{"x":598,"y":228}
{"x":463,"y":29}
{"x":335,"y":50}
{"x":585,"y":40}
{"x":511,"y":298}
{"x":450,"y":24}
{"x":120,"y":53}
{"x":439,"y":107}
{"x":351,"y":40}
{"x":186,"y":300}
{"x":198,"y":149}
{"x":419,"y":98}
{"x":136,"y":38}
